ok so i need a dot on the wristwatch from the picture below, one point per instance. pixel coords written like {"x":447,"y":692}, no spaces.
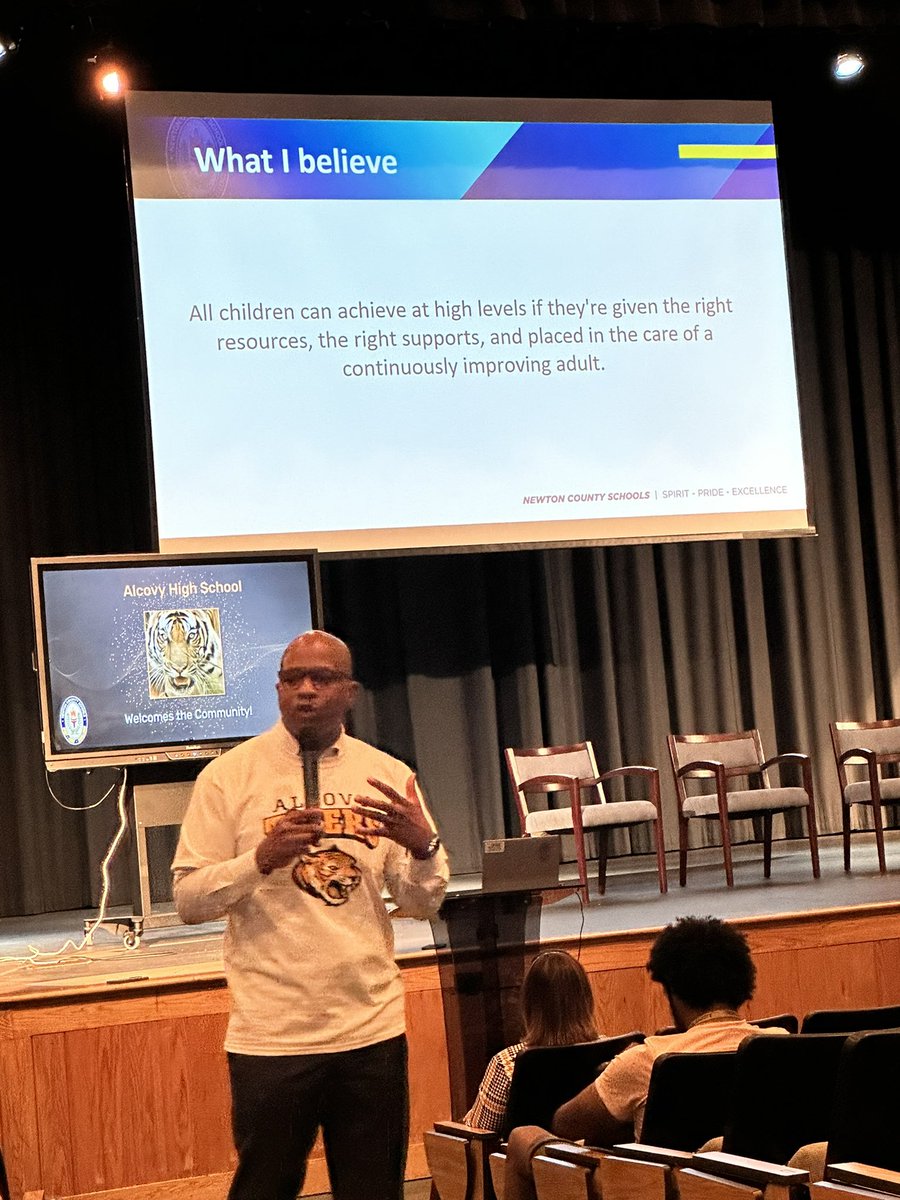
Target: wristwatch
{"x":430,"y":850}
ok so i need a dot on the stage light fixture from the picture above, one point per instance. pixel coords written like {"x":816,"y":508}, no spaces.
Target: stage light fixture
{"x":110,"y":78}
{"x":849,"y":64}
{"x":8,"y":46}
{"x":112,"y":82}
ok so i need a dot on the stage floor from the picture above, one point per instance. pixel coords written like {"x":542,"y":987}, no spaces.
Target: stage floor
{"x":46,"y":954}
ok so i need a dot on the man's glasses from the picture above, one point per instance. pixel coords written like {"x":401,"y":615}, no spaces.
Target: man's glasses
{"x":319,"y":677}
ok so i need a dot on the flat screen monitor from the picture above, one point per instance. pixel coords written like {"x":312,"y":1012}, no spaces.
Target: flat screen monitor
{"x":154,"y":658}
{"x":393,"y":324}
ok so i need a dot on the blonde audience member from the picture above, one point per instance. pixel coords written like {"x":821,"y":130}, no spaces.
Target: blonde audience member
{"x":557,"y":1010}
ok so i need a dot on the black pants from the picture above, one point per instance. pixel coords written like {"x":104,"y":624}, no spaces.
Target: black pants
{"x":360,"y":1098}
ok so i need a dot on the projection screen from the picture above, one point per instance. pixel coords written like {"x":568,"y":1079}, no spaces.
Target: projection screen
{"x":394,"y":324}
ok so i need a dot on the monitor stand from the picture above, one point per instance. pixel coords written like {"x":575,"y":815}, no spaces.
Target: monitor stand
{"x":152,"y":806}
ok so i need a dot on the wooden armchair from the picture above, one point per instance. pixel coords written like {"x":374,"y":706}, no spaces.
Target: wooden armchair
{"x":572,"y":770}
{"x":722,"y":758}
{"x":862,"y":750}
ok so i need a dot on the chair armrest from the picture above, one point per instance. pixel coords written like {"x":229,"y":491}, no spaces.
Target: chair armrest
{"x":802,"y":761}
{"x":654,"y":1154}
{"x":859,"y":752}
{"x":637,"y":771}
{"x":557,"y":780}
{"x":862,"y":1175}
{"x":469,"y":1132}
{"x":568,"y":780}
{"x":709,"y":766}
{"x":791,"y":756}
{"x":747,"y":1170}
{"x":704,"y":768}
{"x":572,"y":1152}
{"x":616,"y":772}
{"x":777,"y":760}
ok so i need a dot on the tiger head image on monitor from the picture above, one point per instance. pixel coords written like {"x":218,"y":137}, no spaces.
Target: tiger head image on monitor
{"x":184,"y":652}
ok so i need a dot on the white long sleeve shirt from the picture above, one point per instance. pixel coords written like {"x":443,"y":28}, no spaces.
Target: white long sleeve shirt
{"x":309,"y":949}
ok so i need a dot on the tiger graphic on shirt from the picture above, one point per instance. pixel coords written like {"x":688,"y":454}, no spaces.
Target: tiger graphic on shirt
{"x":328,"y":875}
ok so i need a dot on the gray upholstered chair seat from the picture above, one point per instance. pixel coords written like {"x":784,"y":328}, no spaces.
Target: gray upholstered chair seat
{"x":754,"y":801}
{"x":861,"y":793}
{"x":559,"y":820}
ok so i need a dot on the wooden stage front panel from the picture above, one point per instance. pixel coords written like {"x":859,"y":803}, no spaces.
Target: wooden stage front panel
{"x":109,"y":1086}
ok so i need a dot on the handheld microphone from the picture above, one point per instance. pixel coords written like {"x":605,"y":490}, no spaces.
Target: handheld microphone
{"x":310,"y":759}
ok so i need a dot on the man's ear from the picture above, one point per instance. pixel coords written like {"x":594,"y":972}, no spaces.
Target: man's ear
{"x":352,"y":693}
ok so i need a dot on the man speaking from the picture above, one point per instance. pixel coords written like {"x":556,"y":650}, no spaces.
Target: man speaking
{"x":293,"y":836}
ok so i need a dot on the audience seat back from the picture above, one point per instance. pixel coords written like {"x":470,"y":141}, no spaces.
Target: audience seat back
{"x":688,"y":1099}
{"x":783,"y":1094}
{"x":545,"y":1077}
{"x":851,"y":1020}
{"x":866,"y":1115}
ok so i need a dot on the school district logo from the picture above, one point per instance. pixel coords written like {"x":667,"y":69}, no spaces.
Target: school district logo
{"x":73,"y":720}
{"x":192,"y":145}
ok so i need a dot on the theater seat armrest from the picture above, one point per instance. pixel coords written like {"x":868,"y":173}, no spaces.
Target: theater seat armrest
{"x":747,"y":1170}
{"x":862,"y":1175}
{"x":459,"y":1129}
{"x":582,"y":1156}
{"x":654,"y":1154}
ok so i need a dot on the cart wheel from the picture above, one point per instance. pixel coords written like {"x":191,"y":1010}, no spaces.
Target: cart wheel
{"x":131,"y":940}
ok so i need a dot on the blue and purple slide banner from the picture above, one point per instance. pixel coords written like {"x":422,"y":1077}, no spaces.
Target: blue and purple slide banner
{"x":237,"y":158}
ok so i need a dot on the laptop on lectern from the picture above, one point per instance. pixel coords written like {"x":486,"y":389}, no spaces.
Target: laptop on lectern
{"x":522,"y":864}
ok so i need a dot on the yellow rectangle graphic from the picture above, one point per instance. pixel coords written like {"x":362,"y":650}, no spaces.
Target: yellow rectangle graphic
{"x":720,"y":150}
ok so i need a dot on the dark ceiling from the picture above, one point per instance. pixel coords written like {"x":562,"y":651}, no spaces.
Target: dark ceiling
{"x":434,"y":46}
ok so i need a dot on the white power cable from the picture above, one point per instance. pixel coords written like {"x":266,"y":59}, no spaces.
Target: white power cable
{"x":49,"y":958}
{"x":78,"y":807}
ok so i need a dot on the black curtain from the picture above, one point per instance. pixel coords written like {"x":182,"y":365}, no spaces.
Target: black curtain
{"x":463,"y":654}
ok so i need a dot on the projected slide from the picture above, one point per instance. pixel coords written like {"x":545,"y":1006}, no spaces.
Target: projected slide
{"x":160,"y":655}
{"x":394,"y":323}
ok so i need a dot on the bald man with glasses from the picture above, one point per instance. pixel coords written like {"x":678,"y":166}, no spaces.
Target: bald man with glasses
{"x":294,"y":836}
